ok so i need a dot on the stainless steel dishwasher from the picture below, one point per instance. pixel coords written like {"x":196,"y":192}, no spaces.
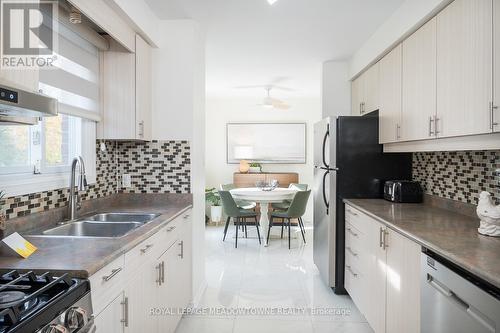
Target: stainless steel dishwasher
{"x":454,"y":301}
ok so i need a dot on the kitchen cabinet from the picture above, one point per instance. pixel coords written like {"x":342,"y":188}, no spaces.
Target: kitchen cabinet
{"x":382,"y":274}
{"x":365,"y":92}
{"x":111,"y":319}
{"x":126,"y":92}
{"x":464,"y":68}
{"x":390,"y":96}
{"x":419,"y":84}
{"x":25,"y":78}
{"x":153,"y":283}
{"x":495,"y":106}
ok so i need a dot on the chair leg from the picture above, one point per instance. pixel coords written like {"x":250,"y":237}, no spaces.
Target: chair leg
{"x":302,"y":229}
{"x":269,"y":229}
{"x":246,"y":235}
{"x":282,"y":227}
{"x":237,"y":222}
{"x":228,"y":221}
{"x":257,"y":226}
{"x":289,"y":234}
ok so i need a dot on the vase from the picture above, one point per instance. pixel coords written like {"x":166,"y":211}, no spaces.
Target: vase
{"x":216,"y":214}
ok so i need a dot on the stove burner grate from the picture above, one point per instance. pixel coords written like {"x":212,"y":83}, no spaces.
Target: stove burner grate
{"x":9,"y":297}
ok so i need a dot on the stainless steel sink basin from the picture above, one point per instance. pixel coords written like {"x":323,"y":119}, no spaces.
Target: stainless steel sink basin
{"x":93,"y":229}
{"x":122,"y":217}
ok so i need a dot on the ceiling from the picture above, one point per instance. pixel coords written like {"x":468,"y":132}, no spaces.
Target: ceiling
{"x":250,"y":42}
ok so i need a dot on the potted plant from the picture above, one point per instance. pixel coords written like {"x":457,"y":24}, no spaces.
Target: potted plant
{"x":213,"y":197}
{"x":255,"y":167}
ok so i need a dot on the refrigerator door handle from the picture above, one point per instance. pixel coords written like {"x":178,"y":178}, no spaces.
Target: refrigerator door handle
{"x":327,"y":134}
{"x":327,"y":204}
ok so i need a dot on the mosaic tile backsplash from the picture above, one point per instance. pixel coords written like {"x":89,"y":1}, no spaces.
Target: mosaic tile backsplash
{"x":458,"y":176}
{"x":155,"y":167}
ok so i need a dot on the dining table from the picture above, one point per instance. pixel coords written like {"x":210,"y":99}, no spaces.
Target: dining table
{"x":263,"y":198}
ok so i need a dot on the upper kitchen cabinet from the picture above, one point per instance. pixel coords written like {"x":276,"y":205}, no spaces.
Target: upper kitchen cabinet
{"x":495,"y":106}
{"x":390,"y":96}
{"x":126,"y":92}
{"x":419,"y":84}
{"x":25,"y":78}
{"x":464,"y":68}
{"x":365,"y":92}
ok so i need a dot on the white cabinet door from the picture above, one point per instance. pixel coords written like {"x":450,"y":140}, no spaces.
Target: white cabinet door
{"x":371,"y":89}
{"x":110,"y":319}
{"x":141,"y":290}
{"x":26,"y":78}
{"x":356,"y":96}
{"x":375,"y":275}
{"x":390,"y":96}
{"x":169,"y":293}
{"x":464,"y":68}
{"x":403,"y":284}
{"x":143,"y":89}
{"x":184,"y":246}
{"x":419,"y":84}
{"x":495,"y":116}
{"x":118,"y":94}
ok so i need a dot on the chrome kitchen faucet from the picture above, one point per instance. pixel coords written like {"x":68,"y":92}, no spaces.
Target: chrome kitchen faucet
{"x":73,"y":204}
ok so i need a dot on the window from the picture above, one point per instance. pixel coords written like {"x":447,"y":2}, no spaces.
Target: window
{"x":48,"y":147}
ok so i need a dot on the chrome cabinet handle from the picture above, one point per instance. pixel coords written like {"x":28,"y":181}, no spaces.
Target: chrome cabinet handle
{"x":436,"y":127}
{"x":158,"y":280}
{"x":171,"y":228}
{"x":352,"y":232}
{"x":125,"y":311}
{"x":147,"y":248}
{"x":115,"y":271}
{"x":181,"y":244}
{"x":351,"y":212}
{"x":162,"y":272}
{"x":381,"y":237}
{"x":385,"y":234}
{"x":492,"y":116}
{"x":186,"y":216}
{"x":351,"y":251}
{"x":431,"y":123}
{"x":141,"y":128}
{"x":351,"y":271}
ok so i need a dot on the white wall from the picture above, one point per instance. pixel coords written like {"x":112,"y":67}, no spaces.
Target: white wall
{"x":220,"y":111}
{"x":336,"y":89}
{"x":405,"y":20}
{"x":179,"y":114}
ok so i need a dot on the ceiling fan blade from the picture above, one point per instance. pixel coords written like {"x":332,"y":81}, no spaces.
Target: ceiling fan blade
{"x":260,"y":86}
{"x":283,"y":88}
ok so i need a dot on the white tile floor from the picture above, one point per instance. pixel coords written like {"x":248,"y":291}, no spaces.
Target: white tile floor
{"x":255,"y":277}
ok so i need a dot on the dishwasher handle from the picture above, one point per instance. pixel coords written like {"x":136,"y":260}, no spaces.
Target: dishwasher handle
{"x":474,"y":313}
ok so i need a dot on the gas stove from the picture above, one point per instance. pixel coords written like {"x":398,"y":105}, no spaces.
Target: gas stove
{"x":44,"y":303}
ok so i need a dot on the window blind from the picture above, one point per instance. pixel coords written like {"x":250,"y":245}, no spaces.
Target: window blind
{"x":74,"y":79}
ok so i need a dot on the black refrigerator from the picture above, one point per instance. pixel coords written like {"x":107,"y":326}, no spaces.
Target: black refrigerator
{"x":348,"y":163}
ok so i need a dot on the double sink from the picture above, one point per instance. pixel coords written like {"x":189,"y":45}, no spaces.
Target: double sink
{"x":104,"y":225}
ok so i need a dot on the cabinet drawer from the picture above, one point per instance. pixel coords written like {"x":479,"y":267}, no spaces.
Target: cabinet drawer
{"x":152,"y":247}
{"x":353,"y":283}
{"x":355,"y":218}
{"x":107,"y":284}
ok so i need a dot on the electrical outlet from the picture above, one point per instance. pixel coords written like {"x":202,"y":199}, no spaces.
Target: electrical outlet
{"x":126,"y":180}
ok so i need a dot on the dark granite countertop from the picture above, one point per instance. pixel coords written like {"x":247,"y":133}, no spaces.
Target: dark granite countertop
{"x":452,"y":235}
{"x":82,"y":257}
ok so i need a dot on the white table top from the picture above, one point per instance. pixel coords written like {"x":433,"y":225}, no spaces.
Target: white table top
{"x":258,"y":195}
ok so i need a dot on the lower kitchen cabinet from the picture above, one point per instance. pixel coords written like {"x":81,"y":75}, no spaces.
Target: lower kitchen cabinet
{"x":157,"y":283}
{"x":110,"y":320}
{"x":382,"y":274}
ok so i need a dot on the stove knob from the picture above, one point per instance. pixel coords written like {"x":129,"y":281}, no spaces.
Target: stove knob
{"x":75,"y":318}
{"x":54,"y":328}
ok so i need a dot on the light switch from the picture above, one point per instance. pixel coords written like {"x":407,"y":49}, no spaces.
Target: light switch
{"x":126,"y":180}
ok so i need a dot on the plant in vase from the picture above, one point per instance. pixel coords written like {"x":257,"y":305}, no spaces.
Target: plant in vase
{"x":213,"y":198}
{"x":255,"y":167}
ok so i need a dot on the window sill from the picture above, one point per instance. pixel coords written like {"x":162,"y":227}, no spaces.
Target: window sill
{"x":23,"y":184}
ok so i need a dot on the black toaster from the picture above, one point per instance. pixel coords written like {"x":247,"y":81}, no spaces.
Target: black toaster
{"x":404,"y":191}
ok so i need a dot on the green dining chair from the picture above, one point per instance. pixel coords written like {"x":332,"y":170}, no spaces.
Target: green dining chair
{"x":286,"y":203}
{"x":238,"y":215}
{"x":296,"y":210}
{"x":240,"y":203}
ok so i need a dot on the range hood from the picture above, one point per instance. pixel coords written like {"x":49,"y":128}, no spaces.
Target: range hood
{"x":19,"y":106}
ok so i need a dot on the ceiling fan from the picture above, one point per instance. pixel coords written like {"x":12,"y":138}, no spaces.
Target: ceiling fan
{"x":270,"y":102}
